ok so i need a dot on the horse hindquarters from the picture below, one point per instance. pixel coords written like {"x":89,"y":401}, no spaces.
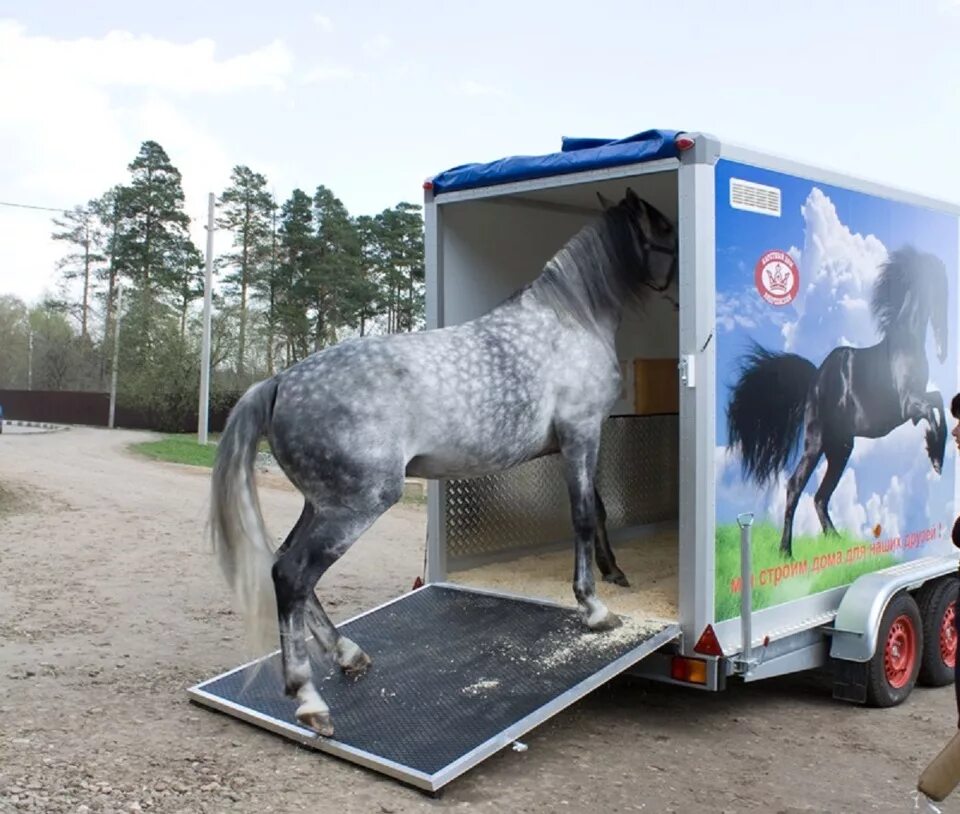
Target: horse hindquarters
{"x":331,"y":522}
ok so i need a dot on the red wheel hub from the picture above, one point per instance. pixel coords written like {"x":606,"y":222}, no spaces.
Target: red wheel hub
{"x":948,"y":636}
{"x":900,"y":652}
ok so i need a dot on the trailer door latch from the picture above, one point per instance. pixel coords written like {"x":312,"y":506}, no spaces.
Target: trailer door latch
{"x":687,"y":369}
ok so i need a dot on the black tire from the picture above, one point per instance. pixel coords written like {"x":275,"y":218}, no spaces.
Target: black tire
{"x":900,"y":636}
{"x":937,"y":603}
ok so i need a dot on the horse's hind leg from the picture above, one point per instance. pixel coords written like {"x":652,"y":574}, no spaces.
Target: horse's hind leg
{"x":350,"y":657}
{"x":606,"y":561}
{"x":319,"y":539}
{"x":812,"y":450}
{"x":837,"y":456}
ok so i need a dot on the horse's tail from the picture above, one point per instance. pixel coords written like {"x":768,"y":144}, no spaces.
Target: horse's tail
{"x":238,"y":533}
{"x":766,"y":409}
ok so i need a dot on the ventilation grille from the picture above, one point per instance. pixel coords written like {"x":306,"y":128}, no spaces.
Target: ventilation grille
{"x":754,"y":197}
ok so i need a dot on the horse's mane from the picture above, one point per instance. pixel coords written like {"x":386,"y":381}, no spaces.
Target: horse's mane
{"x":597,"y":270}
{"x":907,"y":275}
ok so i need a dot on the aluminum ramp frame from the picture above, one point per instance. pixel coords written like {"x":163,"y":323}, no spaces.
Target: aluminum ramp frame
{"x":457,"y":675}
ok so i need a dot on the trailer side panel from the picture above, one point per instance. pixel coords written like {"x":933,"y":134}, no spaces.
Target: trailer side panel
{"x":836,"y":319}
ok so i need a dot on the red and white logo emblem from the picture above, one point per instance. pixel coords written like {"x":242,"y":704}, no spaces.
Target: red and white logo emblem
{"x":777,"y":278}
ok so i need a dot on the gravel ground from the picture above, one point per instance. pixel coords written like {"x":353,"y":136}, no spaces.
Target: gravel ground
{"x":110,"y":607}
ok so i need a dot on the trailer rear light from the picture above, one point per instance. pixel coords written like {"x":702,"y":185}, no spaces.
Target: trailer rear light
{"x":428,"y":184}
{"x":684,"y":142}
{"x":691,"y":671}
{"x":708,"y":644}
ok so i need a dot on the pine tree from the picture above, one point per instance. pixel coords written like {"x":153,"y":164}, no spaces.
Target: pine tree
{"x":334,"y":274}
{"x":80,"y":228}
{"x":152,"y":247}
{"x":400,"y":232}
{"x":368,"y":296}
{"x":187,"y":279}
{"x":247,"y":212}
{"x":107,"y":208}
{"x":297,"y":256}
{"x":153,"y":221}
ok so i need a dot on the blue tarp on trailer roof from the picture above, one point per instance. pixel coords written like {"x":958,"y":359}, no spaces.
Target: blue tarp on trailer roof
{"x":576,"y":155}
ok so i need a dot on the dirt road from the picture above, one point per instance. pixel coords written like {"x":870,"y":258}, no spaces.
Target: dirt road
{"x":110,"y":606}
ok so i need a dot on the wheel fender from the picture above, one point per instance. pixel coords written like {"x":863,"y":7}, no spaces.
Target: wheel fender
{"x":858,"y":617}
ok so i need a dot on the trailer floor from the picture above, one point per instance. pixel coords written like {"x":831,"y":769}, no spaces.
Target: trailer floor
{"x":456,"y":676}
{"x":650,"y":562}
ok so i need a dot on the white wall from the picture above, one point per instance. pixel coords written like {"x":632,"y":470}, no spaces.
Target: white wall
{"x":490,"y":249}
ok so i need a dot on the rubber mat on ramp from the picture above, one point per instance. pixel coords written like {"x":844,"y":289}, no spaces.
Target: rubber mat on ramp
{"x":457,"y":675}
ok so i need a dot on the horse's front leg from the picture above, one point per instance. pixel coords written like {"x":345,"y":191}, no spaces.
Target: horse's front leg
{"x":929,"y":407}
{"x":937,"y":435}
{"x":580,"y":459}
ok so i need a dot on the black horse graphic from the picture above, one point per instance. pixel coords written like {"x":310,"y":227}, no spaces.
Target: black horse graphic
{"x":856,"y":392}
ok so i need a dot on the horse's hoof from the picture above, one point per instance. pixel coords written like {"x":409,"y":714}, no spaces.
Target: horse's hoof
{"x":352,"y":660}
{"x":603,"y":621}
{"x":617,"y":578}
{"x":357,"y":666}
{"x":317,"y":720}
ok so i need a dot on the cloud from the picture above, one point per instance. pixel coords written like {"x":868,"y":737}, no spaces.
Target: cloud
{"x":743,"y":310}
{"x":122,"y":59}
{"x":837,"y":271}
{"x":328,"y":73}
{"x":377,"y":46}
{"x":470,"y":87}
{"x":323,"y":22}
{"x":76,"y":111}
{"x":887,"y":510}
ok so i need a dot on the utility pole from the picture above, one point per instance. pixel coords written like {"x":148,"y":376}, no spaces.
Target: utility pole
{"x":29,"y":359}
{"x":203,"y":413}
{"x":116,"y":356}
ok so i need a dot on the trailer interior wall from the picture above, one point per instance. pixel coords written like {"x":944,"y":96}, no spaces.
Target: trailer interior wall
{"x":512,"y":531}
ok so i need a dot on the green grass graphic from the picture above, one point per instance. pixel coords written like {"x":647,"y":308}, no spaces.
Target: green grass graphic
{"x":813,"y":567}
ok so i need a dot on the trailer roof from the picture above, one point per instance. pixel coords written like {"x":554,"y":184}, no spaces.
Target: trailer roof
{"x":576,"y":155}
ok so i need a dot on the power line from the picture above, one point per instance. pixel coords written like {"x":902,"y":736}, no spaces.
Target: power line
{"x":31,"y":206}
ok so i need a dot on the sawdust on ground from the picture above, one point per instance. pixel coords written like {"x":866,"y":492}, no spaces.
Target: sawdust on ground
{"x":650,"y":563}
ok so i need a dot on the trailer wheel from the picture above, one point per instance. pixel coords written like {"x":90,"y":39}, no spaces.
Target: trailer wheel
{"x":896,"y":663}
{"x":937,"y":603}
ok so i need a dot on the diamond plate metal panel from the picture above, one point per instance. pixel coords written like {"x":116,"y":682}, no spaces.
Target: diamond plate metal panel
{"x":528,"y":506}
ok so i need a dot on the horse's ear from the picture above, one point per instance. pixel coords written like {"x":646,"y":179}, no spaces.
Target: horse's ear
{"x":605,"y":203}
{"x":633,"y":199}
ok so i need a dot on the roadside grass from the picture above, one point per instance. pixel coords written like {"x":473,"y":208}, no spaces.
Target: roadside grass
{"x":184,"y":449}
{"x":815,"y":566}
{"x":179,"y":449}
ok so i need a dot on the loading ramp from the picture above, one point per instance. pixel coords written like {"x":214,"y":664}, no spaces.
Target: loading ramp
{"x":457,"y":675}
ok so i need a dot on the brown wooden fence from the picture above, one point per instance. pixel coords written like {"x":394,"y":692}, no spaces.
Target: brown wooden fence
{"x":92,"y":409}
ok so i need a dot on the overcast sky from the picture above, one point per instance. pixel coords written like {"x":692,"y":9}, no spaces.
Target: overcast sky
{"x":369,"y":98}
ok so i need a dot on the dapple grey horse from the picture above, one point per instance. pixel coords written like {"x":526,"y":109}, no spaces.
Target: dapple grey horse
{"x":536,"y":375}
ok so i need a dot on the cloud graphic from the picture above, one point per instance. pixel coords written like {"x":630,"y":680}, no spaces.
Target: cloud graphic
{"x":837,"y":272}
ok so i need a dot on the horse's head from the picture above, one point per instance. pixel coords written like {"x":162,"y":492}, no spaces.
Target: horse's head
{"x":654,"y":246}
{"x":910,"y":290}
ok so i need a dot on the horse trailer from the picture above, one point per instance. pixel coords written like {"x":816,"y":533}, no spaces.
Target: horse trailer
{"x":774,"y":476}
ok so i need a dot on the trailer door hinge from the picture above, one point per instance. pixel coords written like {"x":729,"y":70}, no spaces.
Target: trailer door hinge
{"x":687,"y":369}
